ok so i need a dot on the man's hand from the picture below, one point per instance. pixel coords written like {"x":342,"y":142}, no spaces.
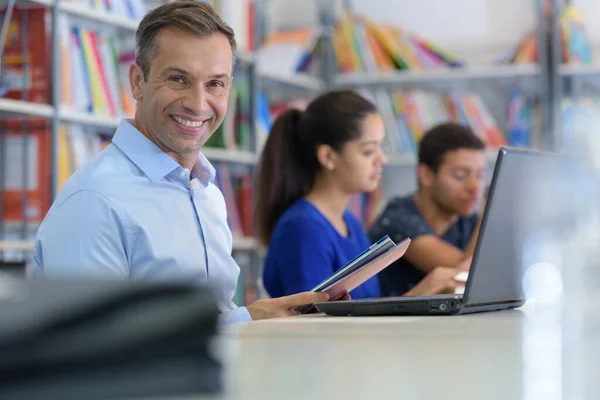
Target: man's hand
{"x":465,"y":265}
{"x":440,"y":280}
{"x":283,"y":306}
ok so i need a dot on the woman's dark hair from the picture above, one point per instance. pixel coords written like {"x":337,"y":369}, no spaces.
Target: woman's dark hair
{"x":289,"y":164}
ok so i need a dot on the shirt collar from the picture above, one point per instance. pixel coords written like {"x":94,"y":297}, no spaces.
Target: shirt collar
{"x":151,"y":159}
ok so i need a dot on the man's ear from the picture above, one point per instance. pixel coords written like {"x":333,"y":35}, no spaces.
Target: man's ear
{"x":426,"y":175}
{"x":327,"y":157}
{"x":136,"y":80}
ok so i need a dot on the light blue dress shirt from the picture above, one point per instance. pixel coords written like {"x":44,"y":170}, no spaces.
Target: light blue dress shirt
{"x":134,"y":212}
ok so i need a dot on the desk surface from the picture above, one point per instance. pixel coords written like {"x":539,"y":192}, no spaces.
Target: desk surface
{"x":497,"y":355}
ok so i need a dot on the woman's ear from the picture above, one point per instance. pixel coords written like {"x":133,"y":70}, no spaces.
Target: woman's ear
{"x":327,"y":157}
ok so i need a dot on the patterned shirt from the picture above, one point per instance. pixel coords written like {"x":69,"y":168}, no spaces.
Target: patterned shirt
{"x":400,"y":219}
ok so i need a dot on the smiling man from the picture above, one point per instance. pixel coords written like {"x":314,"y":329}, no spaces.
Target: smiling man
{"x":440,"y":217}
{"x":146,"y":207}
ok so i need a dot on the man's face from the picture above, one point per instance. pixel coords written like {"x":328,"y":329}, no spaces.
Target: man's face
{"x":184,"y":98}
{"x":458,"y":184}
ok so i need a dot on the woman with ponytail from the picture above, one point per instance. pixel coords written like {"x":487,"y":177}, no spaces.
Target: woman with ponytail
{"x":312,"y":163}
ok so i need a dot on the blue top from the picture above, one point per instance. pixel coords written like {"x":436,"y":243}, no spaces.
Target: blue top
{"x":401,"y":219}
{"x":305,"y":249}
{"x":135,"y":213}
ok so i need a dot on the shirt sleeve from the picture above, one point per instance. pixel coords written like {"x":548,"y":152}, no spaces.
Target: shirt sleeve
{"x":84,"y":236}
{"x":300,"y":257}
{"x":237,"y":315}
{"x":399,"y":222}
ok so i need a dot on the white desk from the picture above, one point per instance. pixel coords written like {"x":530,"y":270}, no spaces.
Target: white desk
{"x":461,"y":357}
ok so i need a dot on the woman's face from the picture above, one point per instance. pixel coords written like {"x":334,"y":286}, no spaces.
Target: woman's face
{"x":359,"y":164}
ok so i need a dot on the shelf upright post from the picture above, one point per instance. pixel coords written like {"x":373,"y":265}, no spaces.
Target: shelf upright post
{"x":55,"y":74}
{"x":555,"y":81}
{"x":546,"y":71}
{"x":255,"y":261}
{"x":3,"y":144}
{"x":326,"y":18}
{"x":25,"y":127}
{"x":4,"y":31}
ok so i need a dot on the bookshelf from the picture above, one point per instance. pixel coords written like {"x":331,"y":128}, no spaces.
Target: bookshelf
{"x":390,"y":79}
{"x":575,"y":45}
{"x":410,"y":160}
{"x":103,"y":17}
{"x":548,"y":80}
{"x":342,"y":29}
{"x":51,"y":109}
{"x":25,"y":108}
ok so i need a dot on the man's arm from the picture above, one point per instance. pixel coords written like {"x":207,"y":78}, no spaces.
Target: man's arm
{"x":426,"y":251}
{"x":429,"y":251}
{"x":85,"y":236}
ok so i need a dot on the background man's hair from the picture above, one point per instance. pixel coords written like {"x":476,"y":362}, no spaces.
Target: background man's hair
{"x":444,"y":138}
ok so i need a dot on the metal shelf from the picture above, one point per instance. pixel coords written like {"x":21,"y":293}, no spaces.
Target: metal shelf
{"x":491,"y":156}
{"x":244,"y":244}
{"x":230,"y":156}
{"x":16,"y":245}
{"x":245,"y":57}
{"x":579,"y":70}
{"x":297,"y":80}
{"x":410,"y":159}
{"x":26,"y":108}
{"x":400,"y":160}
{"x":45,"y":3}
{"x":435,"y":75}
{"x":68,"y":115}
{"x":46,"y":111}
{"x":104,"y":17}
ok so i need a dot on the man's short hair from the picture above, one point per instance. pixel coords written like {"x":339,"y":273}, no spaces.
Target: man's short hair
{"x":444,"y":138}
{"x":195,"y":17}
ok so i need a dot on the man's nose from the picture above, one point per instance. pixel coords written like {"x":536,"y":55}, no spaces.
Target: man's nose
{"x":474,"y":183}
{"x":195,"y":101}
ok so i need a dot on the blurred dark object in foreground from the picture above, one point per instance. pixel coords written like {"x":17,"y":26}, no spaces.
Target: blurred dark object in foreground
{"x":15,"y":268}
{"x":73,"y":339}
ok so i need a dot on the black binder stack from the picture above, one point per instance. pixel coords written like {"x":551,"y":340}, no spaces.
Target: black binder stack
{"x":75,"y":339}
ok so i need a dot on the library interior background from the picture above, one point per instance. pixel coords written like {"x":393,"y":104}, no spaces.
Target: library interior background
{"x":520,"y":73}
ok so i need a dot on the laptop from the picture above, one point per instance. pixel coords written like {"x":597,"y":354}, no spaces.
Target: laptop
{"x":494,"y":280}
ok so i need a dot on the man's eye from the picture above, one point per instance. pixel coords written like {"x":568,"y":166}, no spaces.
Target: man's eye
{"x":177,"y":79}
{"x":216,"y":84}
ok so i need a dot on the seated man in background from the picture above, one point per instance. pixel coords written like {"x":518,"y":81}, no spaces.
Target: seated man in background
{"x":441,"y":217}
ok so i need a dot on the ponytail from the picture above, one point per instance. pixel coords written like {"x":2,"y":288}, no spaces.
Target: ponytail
{"x":289,"y":164}
{"x":284,"y":175}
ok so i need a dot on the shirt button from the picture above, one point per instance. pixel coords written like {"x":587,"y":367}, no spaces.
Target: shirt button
{"x":182,"y":173}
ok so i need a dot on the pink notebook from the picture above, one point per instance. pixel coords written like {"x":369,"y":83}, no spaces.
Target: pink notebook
{"x":348,"y":283}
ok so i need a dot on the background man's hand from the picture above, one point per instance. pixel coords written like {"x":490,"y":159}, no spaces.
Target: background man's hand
{"x":283,"y":306}
{"x":465,"y":265}
{"x":440,"y":280}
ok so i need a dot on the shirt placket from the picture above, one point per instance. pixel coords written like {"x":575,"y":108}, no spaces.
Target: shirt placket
{"x":198,"y":195}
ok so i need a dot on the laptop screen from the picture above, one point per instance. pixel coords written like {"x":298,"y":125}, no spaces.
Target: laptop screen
{"x":516,"y":217}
